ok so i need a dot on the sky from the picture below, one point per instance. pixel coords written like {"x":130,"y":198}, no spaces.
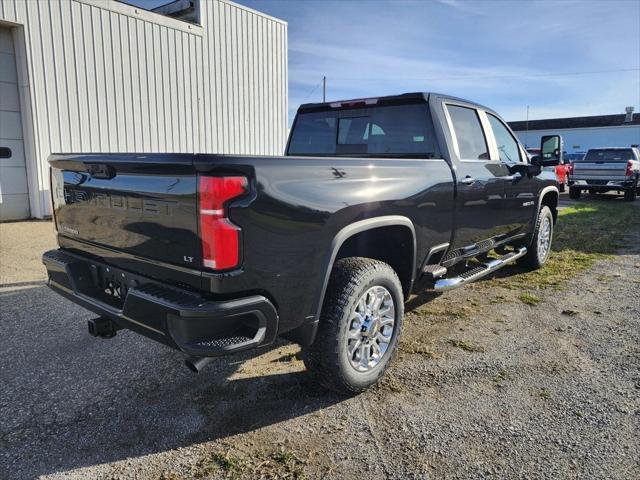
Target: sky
{"x":561,"y":58}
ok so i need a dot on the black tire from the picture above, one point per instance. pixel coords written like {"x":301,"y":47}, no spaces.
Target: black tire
{"x":574,"y":193}
{"x":631,"y":194}
{"x":536,"y":255}
{"x":592,"y":192}
{"x":327,"y":358}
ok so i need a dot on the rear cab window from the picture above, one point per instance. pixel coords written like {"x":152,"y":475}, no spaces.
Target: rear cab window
{"x":608,"y":155}
{"x":403,"y":131}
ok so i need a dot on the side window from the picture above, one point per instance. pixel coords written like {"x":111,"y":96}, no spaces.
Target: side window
{"x":507,"y":145}
{"x":466,"y":125}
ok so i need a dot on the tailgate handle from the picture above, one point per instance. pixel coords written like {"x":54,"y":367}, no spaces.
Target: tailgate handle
{"x":101,"y":171}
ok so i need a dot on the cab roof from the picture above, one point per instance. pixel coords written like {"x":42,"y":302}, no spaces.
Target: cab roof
{"x":401,"y":99}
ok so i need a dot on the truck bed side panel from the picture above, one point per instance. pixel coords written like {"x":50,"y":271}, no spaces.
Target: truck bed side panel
{"x":303,"y":202}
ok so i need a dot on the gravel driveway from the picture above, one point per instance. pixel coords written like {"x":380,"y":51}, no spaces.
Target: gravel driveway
{"x":485,"y":386}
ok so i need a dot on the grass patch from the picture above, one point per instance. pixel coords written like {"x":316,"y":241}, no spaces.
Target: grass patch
{"x":585,"y":233}
{"x":288,"y":463}
{"x":466,"y":345}
{"x":230,"y":465}
{"x":501,"y":377}
{"x":281,"y":463}
{"x":440,"y":309}
{"x":544,"y":393}
{"x":529,"y":299}
{"x":417,"y":347}
{"x":391,"y":384}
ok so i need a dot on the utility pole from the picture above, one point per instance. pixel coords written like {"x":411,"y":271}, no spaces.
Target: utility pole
{"x":324,"y":89}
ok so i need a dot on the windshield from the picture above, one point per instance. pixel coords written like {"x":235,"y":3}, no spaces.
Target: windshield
{"x":393,"y":130}
{"x":609,"y":155}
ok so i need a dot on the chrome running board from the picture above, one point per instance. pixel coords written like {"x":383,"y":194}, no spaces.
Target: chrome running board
{"x":480,"y":271}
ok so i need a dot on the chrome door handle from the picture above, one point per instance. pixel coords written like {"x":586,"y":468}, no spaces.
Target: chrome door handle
{"x":515,"y":176}
{"x":468,"y":180}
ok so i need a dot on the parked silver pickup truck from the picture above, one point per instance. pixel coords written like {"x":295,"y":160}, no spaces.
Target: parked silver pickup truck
{"x":606,"y":169}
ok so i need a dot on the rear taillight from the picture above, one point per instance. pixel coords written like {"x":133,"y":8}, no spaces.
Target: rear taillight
{"x":629,"y":172}
{"x":570,"y":169}
{"x":220,"y":238}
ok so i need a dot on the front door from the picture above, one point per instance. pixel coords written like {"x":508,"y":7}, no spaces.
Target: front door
{"x":480,"y":181}
{"x":520,"y":187}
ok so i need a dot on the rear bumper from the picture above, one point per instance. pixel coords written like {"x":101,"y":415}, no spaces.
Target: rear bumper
{"x":179,"y":318}
{"x":597,"y":184}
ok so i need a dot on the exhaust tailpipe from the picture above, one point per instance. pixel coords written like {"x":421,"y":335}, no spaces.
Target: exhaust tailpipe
{"x":196,"y":364}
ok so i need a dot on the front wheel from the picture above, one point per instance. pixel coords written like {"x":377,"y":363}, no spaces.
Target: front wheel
{"x":360,"y":324}
{"x":540,"y":249}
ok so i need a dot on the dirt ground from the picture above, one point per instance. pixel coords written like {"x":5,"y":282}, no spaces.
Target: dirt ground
{"x":489,"y":383}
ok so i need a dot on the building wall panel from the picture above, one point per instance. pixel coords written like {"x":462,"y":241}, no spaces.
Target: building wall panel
{"x":582,"y":139}
{"x":102,"y":76}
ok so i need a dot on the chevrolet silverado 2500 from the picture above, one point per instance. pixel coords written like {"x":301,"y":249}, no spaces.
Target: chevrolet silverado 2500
{"x":606,"y":169}
{"x":215,"y":254}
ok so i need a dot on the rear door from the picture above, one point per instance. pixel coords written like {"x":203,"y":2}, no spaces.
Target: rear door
{"x":480,"y":180}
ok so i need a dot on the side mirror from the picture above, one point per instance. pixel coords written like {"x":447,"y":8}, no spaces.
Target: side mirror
{"x":550,"y":151}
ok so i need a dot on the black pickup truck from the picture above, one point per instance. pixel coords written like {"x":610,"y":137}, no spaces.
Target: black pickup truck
{"x":215,"y":254}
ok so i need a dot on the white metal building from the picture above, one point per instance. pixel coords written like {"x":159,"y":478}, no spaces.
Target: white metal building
{"x":103,"y":76}
{"x":582,"y":133}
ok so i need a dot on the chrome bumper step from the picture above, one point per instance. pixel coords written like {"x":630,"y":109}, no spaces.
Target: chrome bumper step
{"x":444,"y":284}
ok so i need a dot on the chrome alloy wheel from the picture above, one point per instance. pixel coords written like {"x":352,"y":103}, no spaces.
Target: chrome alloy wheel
{"x":370,"y":328}
{"x":544,"y":238}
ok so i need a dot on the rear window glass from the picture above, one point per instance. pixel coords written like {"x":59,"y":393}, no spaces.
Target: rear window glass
{"x":609,"y":155}
{"x":471,"y":142}
{"x":393,"y":130}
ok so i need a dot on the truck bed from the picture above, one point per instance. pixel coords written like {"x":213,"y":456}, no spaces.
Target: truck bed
{"x":139,"y":213}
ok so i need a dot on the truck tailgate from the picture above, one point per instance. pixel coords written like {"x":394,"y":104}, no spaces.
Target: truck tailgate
{"x":599,"y":170}
{"x":130,"y":208}
{"x":604,"y":164}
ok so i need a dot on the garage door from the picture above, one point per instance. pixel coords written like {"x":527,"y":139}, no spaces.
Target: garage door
{"x":14,"y":197}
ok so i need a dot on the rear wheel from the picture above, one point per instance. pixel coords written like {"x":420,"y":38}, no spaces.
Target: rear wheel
{"x":574,"y":193}
{"x":540,"y":249}
{"x":631,"y":194}
{"x":360,"y":324}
